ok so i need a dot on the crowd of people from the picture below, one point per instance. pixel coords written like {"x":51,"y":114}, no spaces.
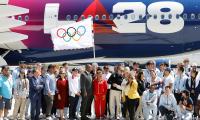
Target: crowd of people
{"x":127,"y":92}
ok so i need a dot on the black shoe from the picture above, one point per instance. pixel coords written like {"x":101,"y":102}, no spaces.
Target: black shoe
{"x":85,"y":118}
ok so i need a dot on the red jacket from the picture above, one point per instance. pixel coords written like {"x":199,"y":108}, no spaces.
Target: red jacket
{"x":99,"y":88}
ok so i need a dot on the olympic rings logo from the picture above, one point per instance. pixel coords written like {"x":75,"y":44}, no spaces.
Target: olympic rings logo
{"x":71,"y":33}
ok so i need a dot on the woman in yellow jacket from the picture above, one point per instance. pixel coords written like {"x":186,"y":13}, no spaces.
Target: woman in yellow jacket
{"x":133,"y":97}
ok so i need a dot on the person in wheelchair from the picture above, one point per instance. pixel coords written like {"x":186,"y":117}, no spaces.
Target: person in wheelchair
{"x":185,"y":107}
{"x":167,"y":104}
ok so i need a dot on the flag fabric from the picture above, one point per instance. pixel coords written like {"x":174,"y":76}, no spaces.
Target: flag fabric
{"x":73,"y":36}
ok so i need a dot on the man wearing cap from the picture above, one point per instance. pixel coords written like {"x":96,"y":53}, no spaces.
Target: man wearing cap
{"x":6,"y":85}
{"x":74,"y":92}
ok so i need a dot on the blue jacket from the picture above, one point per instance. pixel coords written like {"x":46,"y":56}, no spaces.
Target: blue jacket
{"x":50,"y":84}
{"x":35,"y":87}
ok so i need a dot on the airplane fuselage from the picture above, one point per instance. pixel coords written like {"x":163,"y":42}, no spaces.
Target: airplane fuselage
{"x":123,"y":28}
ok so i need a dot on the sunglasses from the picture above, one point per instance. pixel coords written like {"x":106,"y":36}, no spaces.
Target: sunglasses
{"x":99,"y":72}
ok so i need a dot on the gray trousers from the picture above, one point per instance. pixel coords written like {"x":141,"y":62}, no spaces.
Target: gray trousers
{"x":49,"y":103}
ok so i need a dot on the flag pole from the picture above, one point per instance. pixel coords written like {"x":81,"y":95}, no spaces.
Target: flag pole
{"x":94,"y":53}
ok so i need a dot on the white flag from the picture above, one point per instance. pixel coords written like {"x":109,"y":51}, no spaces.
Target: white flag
{"x":73,"y":36}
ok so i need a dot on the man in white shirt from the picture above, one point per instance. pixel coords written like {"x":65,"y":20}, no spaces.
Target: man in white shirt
{"x":149,"y":103}
{"x":66,"y":67}
{"x":74,"y":92}
{"x":187,"y":67}
{"x":106,"y":76}
{"x":167,"y":104}
{"x":150,"y":65}
{"x":168,"y":79}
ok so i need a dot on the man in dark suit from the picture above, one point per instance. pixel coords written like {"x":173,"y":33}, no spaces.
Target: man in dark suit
{"x":35,"y":93}
{"x":86,"y":91}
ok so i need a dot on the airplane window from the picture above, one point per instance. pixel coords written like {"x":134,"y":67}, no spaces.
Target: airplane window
{"x":97,"y":17}
{"x":132,"y":16}
{"x":103,"y":17}
{"x":185,"y":16}
{"x":170,"y":16}
{"x":118,"y":16}
{"x":155,"y":16}
{"x":26,"y":18}
{"x":125,"y":17}
{"x":68,"y":17}
{"x":192,"y":16}
{"x":140,"y":17}
{"x":111,"y":17}
{"x":82,"y":17}
{"x":162,"y":16}
{"x":75,"y":17}
{"x":19,"y":17}
{"x":89,"y":16}
{"x":148,"y":16}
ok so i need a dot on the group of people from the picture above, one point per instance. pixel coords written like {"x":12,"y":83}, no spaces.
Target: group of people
{"x":126,"y":92}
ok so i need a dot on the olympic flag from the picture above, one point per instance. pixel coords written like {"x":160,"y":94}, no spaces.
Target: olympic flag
{"x":73,"y":36}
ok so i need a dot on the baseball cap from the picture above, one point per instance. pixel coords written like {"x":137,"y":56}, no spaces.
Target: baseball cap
{"x":168,"y":69}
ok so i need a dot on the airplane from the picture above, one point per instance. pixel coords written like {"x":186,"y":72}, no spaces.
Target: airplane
{"x":122,"y":28}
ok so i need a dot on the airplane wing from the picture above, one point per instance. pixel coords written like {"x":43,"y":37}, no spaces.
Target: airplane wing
{"x":10,"y":10}
{"x":2,"y":61}
{"x":12,"y":40}
{"x":6,"y":23}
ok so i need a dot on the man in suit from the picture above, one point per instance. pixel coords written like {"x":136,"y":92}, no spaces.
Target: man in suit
{"x":35,"y":93}
{"x":86,"y":91}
